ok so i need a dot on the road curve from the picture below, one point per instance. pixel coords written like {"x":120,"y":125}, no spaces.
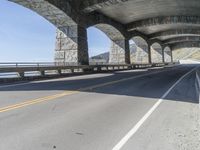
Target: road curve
{"x":95,"y":112}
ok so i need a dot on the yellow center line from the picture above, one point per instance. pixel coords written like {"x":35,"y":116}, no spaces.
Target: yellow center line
{"x":65,"y":93}
{"x":35,"y":101}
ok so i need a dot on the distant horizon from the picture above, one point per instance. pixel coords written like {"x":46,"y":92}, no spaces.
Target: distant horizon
{"x":31,"y":38}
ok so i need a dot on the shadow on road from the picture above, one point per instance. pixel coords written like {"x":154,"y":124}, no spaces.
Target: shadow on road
{"x":149,"y":86}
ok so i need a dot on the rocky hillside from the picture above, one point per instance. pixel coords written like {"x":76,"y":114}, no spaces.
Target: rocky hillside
{"x":187,"y":53}
{"x":104,"y":56}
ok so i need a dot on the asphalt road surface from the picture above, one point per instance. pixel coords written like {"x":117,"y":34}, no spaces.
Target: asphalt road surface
{"x":156,"y":109}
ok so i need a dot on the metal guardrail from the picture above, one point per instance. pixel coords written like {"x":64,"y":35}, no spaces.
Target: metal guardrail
{"x":52,"y":64}
{"x":26,"y":64}
{"x":22,"y":67}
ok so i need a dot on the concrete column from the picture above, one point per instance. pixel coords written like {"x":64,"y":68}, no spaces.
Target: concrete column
{"x":120,"y":52}
{"x":71,"y":46}
{"x":149,"y":54}
{"x":163,"y":55}
{"x":172,"y":56}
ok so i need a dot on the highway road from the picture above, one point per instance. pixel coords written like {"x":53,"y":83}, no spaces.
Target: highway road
{"x":155,"y":109}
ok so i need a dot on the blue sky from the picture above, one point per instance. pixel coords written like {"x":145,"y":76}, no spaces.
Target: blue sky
{"x":27,"y":37}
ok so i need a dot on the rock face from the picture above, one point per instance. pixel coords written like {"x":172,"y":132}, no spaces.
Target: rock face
{"x":103,"y":56}
{"x":187,"y":53}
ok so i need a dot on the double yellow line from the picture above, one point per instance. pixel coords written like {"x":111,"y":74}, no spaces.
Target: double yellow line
{"x":35,"y":101}
{"x":65,"y":93}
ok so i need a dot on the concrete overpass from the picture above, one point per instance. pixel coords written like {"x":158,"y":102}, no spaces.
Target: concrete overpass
{"x":148,"y":108}
{"x":156,"y":22}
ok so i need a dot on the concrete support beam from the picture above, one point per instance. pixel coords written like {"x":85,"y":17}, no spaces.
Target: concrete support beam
{"x":135,"y":33}
{"x":185,"y":45}
{"x":184,"y":20}
{"x":176,"y":33}
{"x":90,"y":6}
{"x":105,"y":23}
{"x":71,"y":46}
{"x":120,"y":53}
{"x":182,"y":39}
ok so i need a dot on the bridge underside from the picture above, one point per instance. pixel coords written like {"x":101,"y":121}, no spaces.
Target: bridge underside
{"x":173,"y":24}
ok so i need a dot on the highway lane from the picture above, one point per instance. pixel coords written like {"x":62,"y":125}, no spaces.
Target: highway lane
{"x":98,"y":118}
{"x":175,"y":124}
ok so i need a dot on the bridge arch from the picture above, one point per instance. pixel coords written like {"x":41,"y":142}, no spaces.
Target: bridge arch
{"x":98,"y":46}
{"x":112,"y":32}
{"x":185,"y":45}
{"x":156,"y":52}
{"x":50,"y":12}
{"x":70,"y":48}
{"x":139,"y":50}
{"x":119,"y":48}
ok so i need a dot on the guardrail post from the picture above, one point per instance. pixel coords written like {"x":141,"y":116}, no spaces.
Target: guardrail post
{"x":98,"y":69}
{"x":21,"y":74}
{"x":72,"y":70}
{"x":42,"y":73}
{"x":59,"y":71}
{"x":130,"y":67}
{"x":88,"y":70}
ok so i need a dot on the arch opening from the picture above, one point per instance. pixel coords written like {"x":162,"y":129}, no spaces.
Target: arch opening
{"x":70,"y":48}
{"x":119,"y":49}
{"x":98,"y":46}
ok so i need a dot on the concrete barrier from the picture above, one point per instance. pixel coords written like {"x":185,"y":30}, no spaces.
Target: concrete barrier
{"x":42,"y":68}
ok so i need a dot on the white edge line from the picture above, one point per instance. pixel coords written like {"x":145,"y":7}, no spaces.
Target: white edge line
{"x":125,"y":139}
{"x":198,"y":86}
